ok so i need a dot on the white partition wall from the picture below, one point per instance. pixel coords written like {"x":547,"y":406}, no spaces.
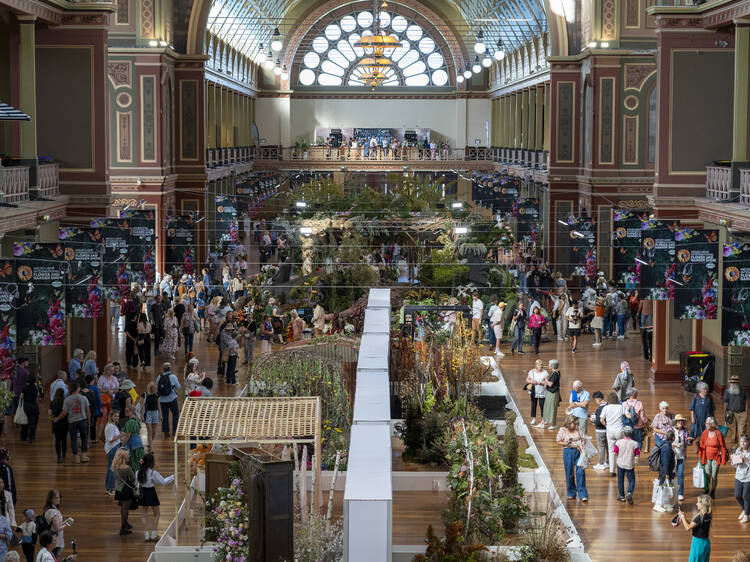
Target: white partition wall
{"x":368,"y":497}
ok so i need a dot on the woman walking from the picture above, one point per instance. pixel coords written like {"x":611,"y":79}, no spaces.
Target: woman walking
{"x":89,"y":364}
{"x":571,"y":439}
{"x":144,"y":340}
{"x":662,"y":423}
{"x":679,"y":446}
{"x":741,"y":464}
{"x":112,"y":443}
{"x":60,"y":427}
{"x":712,"y":453}
{"x":53,"y":516}
{"x":124,"y":488}
{"x":701,"y":408}
{"x":700,"y":546}
{"x":597,"y":323}
{"x":551,"y":394}
{"x":188,"y":325}
{"x":169,"y":345}
{"x":131,"y":340}
{"x":108,"y":385}
{"x":535,"y":380}
{"x":624,"y":381}
{"x":30,"y":393}
{"x":611,"y":418}
{"x":131,"y":430}
{"x":148,"y":478}
{"x":536,"y":323}
{"x":266,"y":333}
{"x":152,"y":416}
{"x":496,"y":323}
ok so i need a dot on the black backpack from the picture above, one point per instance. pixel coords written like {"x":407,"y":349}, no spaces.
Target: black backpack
{"x":42,"y":524}
{"x":164,"y":385}
{"x":654,"y":459}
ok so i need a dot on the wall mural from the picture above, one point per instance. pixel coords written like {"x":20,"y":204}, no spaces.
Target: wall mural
{"x":582,"y":245}
{"x":626,"y":243}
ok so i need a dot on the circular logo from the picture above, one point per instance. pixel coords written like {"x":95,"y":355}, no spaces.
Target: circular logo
{"x":24,"y":273}
{"x":648,"y":243}
{"x":683,"y":255}
{"x":731,"y":274}
{"x":522,"y":211}
{"x":621,"y":232}
{"x":220,"y":209}
{"x":70,"y":254}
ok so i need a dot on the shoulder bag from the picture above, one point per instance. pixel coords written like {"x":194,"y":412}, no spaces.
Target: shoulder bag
{"x":20,"y":418}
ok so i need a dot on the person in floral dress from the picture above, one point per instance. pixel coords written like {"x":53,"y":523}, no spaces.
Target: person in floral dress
{"x":169,"y":345}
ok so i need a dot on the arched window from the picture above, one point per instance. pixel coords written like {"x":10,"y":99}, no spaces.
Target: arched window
{"x":331,"y":58}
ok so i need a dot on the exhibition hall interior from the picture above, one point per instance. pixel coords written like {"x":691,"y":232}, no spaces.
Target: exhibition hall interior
{"x":374,"y":280}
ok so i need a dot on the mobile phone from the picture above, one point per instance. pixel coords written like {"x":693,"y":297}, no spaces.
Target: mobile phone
{"x":69,"y":521}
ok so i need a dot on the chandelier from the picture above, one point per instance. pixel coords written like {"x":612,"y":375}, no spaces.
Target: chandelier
{"x":376,"y":64}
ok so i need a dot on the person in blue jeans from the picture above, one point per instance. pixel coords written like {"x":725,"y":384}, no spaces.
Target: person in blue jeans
{"x":679,"y":446}
{"x":76,"y":409}
{"x":571,"y":439}
{"x":167,"y":386}
{"x":626,"y":452}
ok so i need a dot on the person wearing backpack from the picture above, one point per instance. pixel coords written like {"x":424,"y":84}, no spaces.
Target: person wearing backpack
{"x":167,"y":386}
{"x":662,"y":460}
{"x":627,"y":452}
{"x":624,"y":381}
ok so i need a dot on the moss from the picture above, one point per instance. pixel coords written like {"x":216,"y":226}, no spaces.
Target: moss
{"x":526,"y":460}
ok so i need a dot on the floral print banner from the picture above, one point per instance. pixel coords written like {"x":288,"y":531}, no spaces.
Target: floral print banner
{"x":582,"y":246}
{"x":226,"y":221}
{"x":115,"y":234}
{"x":141,"y":248}
{"x":695,"y":274}
{"x":526,"y":213}
{"x":656,"y":262}
{"x":180,"y":245}
{"x":82,"y":251}
{"x":40,"y":273}
{"x":735,"y":315}
{"x":9,"y":301}
{"x":626,"y":244}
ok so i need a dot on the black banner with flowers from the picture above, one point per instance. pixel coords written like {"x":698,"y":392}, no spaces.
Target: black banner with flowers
{"x":142,"y":245}
{"x":735,"y":303}
{"x":9,"y":301}
{"x":526,"y":213}
{"x":226,"y":220}
{"x":657,"y":256}
{"x":696,"y":274}
{"x":115,"y":234}
{"x":180,"y":245}
{"x":494,"y":191}
{"x":40,"y":315}
{"x":84,"y":294}
{"x":626,"y":244}
{"x":581,"y":246}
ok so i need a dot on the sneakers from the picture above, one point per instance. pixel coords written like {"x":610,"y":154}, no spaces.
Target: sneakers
{"x":154,"y":536}
{"x":659,"y":508}
{"x":629,"y":498}
{"x":621,"y":499}
{"x":125,"y":532}
{"x":601,"y":466}
{"x":540,"y":425}
{"x":552,"y":427}
{"x":533,"y":421}
{"x":584,"y":500}
{"x":77,"y":459}
{"x":743,"y":519}
{"x":681,"y":497}
{"x":84,"y":458}
{"x":147,"y":535}
{"x":741,"y":515}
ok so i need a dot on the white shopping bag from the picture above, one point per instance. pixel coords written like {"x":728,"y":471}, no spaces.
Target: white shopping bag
{"x":583,"y":461}
{"x":698,"y":476}
{"x":656,"y":492}
{"x":589,"y":448}
{"x":668,"y":494}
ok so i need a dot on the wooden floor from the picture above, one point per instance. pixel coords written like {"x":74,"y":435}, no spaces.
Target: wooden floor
{"x":612,"y":530}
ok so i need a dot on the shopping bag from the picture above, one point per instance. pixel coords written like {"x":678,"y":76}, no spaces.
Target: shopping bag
{"x":583,"y":461}
{"x":724,"y":430}
{"x":698,"y":476}
{"x":667,"y":494}
{"x":20,"y":418}
{"x":656,"y":492}
{"x":589,"y":448}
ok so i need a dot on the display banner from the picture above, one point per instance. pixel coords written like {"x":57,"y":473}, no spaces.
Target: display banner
{"x":526,"y":213}
{"x":696,"y":271}
{"x":180,"y":243}
{"x":9,"y":301}
{"x":656,"y":259}
{"x":626,"y":244}
{"x":84,"y":294}
{"x":142,"y":245}
{"x":115,"y":235}
{"x":40,"y":271}
{"x":735,"y":303}
{"x":226,"y":220}
{"x":494,"y":191}
{"x":582,"y":246}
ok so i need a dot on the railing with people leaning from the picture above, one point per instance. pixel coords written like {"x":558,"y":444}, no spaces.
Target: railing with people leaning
{"x":366,"y":153}
{"x":718,"y":182}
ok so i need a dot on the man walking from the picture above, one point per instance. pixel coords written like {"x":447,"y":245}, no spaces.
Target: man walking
{"x":75,"y":364}
{"x":76,"y":408}
{"x":735,"y":417}
{"x":167,"y":386}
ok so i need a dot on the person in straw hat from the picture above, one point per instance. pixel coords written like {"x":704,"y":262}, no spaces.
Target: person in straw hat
{"x":735,"y":416}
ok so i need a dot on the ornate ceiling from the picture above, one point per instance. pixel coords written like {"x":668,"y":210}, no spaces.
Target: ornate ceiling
{"x":247,"y":24}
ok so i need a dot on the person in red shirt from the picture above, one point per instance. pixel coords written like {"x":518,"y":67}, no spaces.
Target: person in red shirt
{"x":712,"y":453}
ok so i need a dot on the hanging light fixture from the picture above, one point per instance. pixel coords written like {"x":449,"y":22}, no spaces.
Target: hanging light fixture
{"x":467,"y":72}
{"x":460,"y":79}
{"x":268,"y":64}
{"x":259,"y":55}
{"x":277,"y":68}
{"x":479,"y":46}
{"x":377,"y":43}
{"x":477,"y":68}
{"x":499,"y":52}
{"x":284,"y":73}
{"x":486,"y":61}
{"x":276,"y":43}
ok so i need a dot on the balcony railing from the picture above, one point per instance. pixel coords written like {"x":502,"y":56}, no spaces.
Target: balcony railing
{"x":536,"y":159}
{"x":48,"y":179}
{"x":718,"y":182}
{"x":745,"y":186}
{"x":365,"y":154}
{"x":14,"y":183}
{"x":226,"y":156}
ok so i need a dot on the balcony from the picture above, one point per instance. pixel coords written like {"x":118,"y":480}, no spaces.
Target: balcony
{"x":14,"y":184}
{"x":718,"y":182}
{"x":745,"y":186}
{"x":48,"y":179}
{"x":228,"y":156}
{"x":527,"y":158}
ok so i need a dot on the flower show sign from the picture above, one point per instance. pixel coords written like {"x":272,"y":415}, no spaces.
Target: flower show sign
{"x":526,"y":213}
{"x":180,"y":243}
{"x":626,"y":243}
{"x":696,"y":273}
{"x":9,"y":300}
{"x":226,"y":219}
{"x":115,"y":234}
{"x":82,"y":252}
{"x":735,"y":314}
{"x":657,"y":255}
{"x":141,"y":248}
{"x":40,"y":272}
{"x":582,"y":245}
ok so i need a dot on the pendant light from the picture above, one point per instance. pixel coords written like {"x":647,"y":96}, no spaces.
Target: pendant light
{"x":460,"y":79}
{"x":486,"y":61}
{"x":499,"y":52}
{"x":277,"y":68}
{"x":284,"y":73}
{"x":479,"y":46}
{"x":268,"y":64}
{"x":467,"y":72}
{"x":276,"y":43}
{"x":477,"y":68}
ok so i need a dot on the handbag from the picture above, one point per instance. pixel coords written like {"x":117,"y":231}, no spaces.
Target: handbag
{"x":20,"y":418}
{"x":583,"y":461}
{"x":589,"y":448}
{"x":728,"y":417}
{"x":698,"y":477}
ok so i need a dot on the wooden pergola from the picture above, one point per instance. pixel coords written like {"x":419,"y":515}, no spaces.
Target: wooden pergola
{"x":240,"y":421}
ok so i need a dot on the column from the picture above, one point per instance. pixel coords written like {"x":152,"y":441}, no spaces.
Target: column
{"x":539,"y":135}
{"x":493,"y":122}
{"x":741,"y":62}
{"x":516,"y":117}
{"x":548,"y":115}
{"x":531,"y":137}
{"x":501,"y":122}
{"x":524,"y":118}
{"x":210,"y":123}
{"x":27,"y":92}
{"x":219,"y":93}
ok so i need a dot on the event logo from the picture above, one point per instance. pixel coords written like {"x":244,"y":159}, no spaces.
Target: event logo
{"x":648,"y":243}
{"x":731,"y":274}
{"x":683,"y":255}
{"x":621,"y":232}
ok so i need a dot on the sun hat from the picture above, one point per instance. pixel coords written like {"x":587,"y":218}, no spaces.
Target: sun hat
{"x":127,"y":384}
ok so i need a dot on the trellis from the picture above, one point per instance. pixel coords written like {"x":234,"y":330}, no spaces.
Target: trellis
{"x":239,"y":421}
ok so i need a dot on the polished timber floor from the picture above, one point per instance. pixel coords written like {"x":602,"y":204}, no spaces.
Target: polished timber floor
{"x":610,"y":530}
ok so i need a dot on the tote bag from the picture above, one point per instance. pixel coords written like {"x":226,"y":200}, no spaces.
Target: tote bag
{"x":20,"y":418}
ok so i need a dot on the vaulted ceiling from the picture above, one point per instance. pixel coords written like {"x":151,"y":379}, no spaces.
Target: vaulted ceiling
{"x":248,"y":25}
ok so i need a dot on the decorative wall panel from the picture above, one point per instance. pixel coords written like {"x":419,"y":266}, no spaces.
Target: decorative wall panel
{"x":565,"y":121}
{"x":631,"y":140}
{"x":607,"y":120}
{"x":189,"y":120}
{"x":148,"y":125}
{"x":124,"y":140}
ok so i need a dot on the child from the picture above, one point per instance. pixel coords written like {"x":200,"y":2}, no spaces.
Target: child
{"x":152,"y":418}
{"x":28,"y":534}
{"x":626,"y":453}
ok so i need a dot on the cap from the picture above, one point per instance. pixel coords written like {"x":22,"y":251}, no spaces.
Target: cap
{"x":166,"y":365}
{"x":502,"y":304}
{"x":29,"y":513}
{"x":734,"y":378}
